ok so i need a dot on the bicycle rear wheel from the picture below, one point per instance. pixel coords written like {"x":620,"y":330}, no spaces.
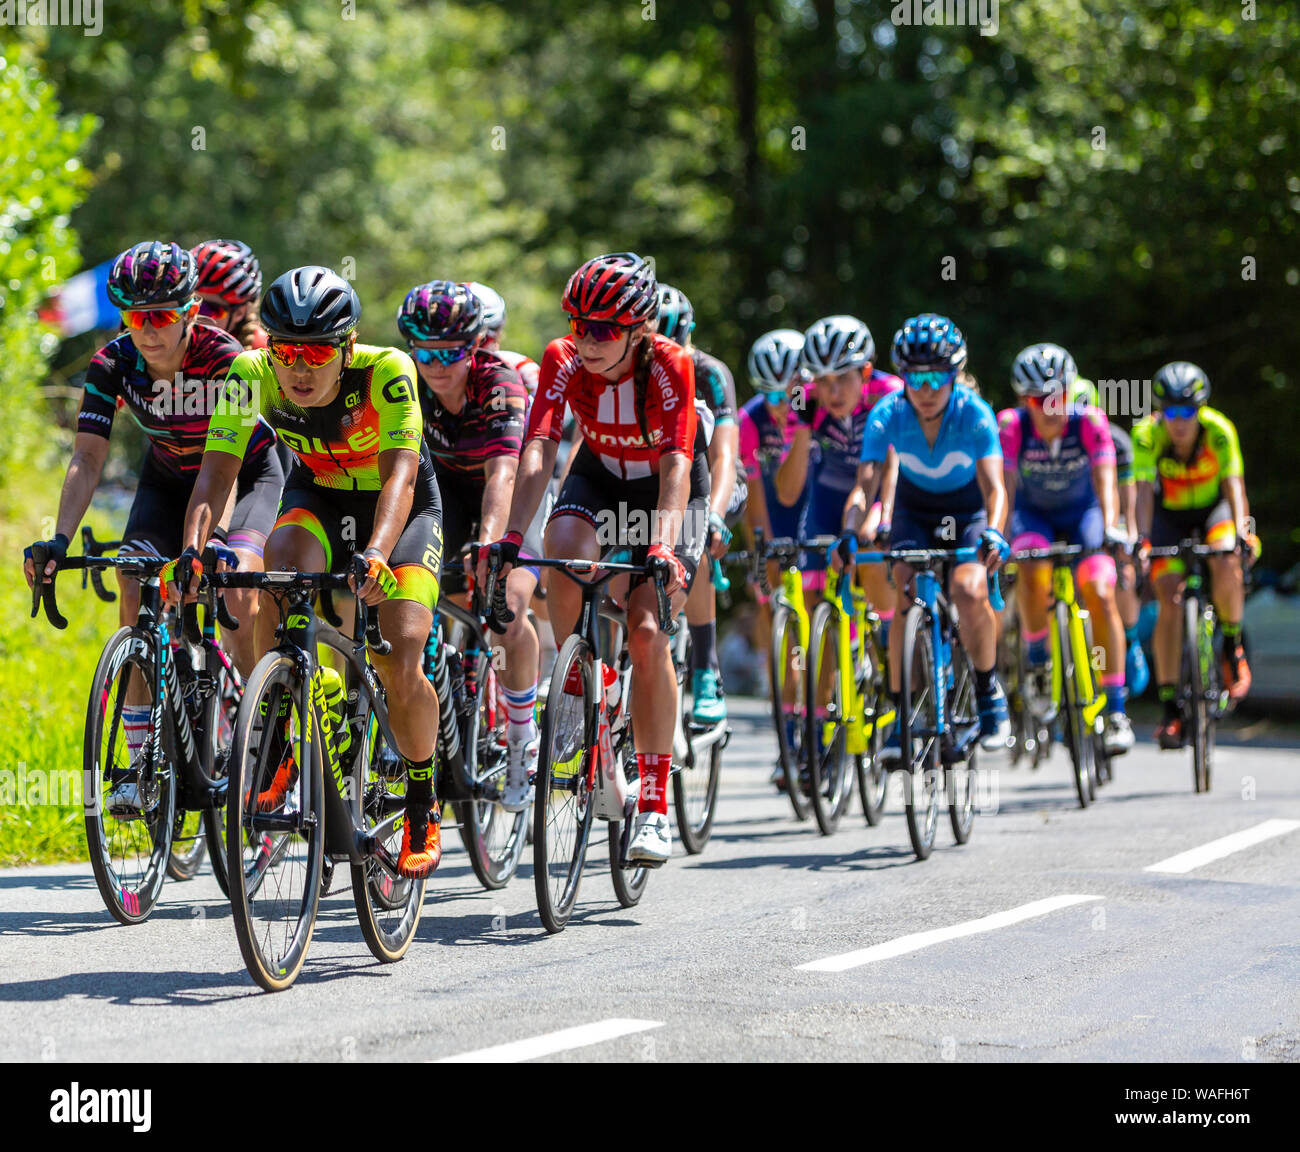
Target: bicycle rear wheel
{"x":220,"y":713}
{"x":279,"y":853}
{"x":789,"y":699}
{"x":128,"y":854}
{"x":918,"y":733}
{"x":961,"y":759}
{"x":494,"y":838}
{"x":564,"y":806}
{"x":629,"y":882}
{"x":189,"y":846}
{"x":388,"y":905}
{"x":696,"y":782}
{"x":873,"y":779}
{"x":1078,"y":737}
{"x":831,"y":789}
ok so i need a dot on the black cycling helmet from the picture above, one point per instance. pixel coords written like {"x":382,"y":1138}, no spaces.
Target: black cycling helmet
{"x":310,"y":303}
{"x":1043,"y":369}
{"x":676,"y":315}
{"x":152,"y":274}
{"x":928,"y":343}
{"x":441,"y":310}
{"x":1181,"y":383}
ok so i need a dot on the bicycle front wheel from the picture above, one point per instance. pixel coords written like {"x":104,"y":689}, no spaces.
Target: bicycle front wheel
{"x":1200,"y":660}
{"x":278,"y":852}
{"x":826,"y":736}
{"x":786,"y":675}
{"x":129,"y":851}
{"x":189,"y":846}
{"x":873,"y":780}
{"x":564,"y":806}
{"x":696,"y":783}
{"x":961,"y":763}
{"x":919,"y":733}
{"x":1078,"y":735}
{"x":220,"y":713}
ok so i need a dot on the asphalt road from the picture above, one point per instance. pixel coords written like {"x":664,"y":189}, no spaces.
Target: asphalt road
{"x":1098,"y":957}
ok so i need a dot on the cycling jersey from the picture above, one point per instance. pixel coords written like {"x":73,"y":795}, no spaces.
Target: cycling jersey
{"x":1123,"y":454}
{"x":764,"y":445}
{"x":1195,"y":484}
{"x":525,"y":366}
{"x":1056,"y":475}
{"x":715,"y":386}
{"x":375,"y":410}
{"x":490,"y":424}
{"x":173,"y":414}
{"x":837,"y":443}
{"x":606,"y":412}
{"x":942,"y":477}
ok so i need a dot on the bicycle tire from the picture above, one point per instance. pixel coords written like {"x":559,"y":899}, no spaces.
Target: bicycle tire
{"x":873,"y":779}
{"x":1198,"y":711}
{"x":494,"y":838}
{"x":187,"y":828}
{"x":629,"y":882}
{"x":129,"y":889}
{"x":920,"y":749}
{"x":388,"y":905}
{"x":220,"y":712}
{"x":831,"y":789}
{"x":559,"y":852}
{"x":1076,"y":737}
{"x":961,"y":775}
{"x":253,"y":857}
{"x":790,"y":727}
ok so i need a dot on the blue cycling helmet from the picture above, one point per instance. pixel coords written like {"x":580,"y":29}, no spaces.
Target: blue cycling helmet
{"x":928,"y":343}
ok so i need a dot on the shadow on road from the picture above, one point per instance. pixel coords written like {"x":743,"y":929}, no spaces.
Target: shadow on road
{"x":865,"y":860}
{"x":194,"y":989}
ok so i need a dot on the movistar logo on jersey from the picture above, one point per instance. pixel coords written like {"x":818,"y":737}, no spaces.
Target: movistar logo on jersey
{"x":912,"y":464}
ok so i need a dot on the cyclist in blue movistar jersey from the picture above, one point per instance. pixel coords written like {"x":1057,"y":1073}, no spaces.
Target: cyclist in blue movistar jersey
{"x":950,"y":494}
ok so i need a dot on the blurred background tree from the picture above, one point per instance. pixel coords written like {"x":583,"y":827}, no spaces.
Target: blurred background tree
{"x":1119,"y":179}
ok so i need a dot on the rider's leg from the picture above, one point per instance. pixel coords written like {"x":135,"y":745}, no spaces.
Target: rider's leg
{"x":1167,"y":643}
{"x":519,"y":686}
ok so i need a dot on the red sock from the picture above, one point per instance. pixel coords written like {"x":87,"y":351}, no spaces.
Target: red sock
{"x":654,"y":768}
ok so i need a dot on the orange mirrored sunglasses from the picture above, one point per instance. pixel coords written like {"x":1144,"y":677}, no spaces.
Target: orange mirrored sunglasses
{"x":316,"y":355}
{"x":136,"y":318}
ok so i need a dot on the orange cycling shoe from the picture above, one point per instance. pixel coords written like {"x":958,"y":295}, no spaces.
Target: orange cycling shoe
{"x":421,"y":842}
{"x":286,"y":776}
{"x":1236,"y":673}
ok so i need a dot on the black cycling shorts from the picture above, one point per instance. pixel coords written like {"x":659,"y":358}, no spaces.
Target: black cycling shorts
{"x":342,"y":522}
{"x":621,"y":510}
{"x":157,"y":519}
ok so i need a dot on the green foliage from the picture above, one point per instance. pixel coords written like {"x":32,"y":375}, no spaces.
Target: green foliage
{"x":41,"y":182}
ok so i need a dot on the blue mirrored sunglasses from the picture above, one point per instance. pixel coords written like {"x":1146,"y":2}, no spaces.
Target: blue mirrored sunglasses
{"x":935,"y":379}
{"x":1180,"y":411}
{"x":773,"y":396}
{"x":443,"y":356}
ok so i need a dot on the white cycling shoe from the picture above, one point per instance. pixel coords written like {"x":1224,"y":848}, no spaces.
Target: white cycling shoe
{"x":652,"y":840}
{"x":521,"y":768}
{"x":1117,"y":736}
{"x":123,"y":802}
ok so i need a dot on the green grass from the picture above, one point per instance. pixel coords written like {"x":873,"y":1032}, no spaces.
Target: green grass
{"x":44,"y":678}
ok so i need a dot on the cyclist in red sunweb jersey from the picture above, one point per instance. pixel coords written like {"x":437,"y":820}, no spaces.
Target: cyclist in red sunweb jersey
{"x":642,"y":459}
{"x":230,"y":283}
{"x":494,"y":322}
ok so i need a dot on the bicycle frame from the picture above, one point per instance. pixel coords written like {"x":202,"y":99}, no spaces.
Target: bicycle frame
{"x":1063,"y":591}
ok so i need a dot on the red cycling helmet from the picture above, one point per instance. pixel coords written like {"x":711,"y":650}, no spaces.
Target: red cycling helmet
{"x":228,"y":270}
{"x":618,"y":288}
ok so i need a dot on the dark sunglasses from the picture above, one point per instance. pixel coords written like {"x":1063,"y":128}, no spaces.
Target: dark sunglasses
{"x":598,"y":330}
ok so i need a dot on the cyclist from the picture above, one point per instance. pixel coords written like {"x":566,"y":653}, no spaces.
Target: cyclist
{"x":839,"y":356}
{"x":474,"y":408}
{"x":1059,"y":466}
{"x":1136,"y":673}
{"x":166,"y":370}
{"x":230,"y":282}
{"x":350,"y":414}
{"x":1187,"y":462}
{"x":494,"y":322}
{"x":632,"y":393}
{"x":950,"y":494}
{"x":716,"y":391}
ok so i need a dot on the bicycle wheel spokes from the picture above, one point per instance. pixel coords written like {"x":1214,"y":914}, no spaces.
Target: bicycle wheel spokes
{"x":278,"y":851}
{"x":826,"y":736}
{"x":563,"y":808}
{"x":189,"y":846}
{"x":789,"y":703}
{"x":494,"y":838}
{"x":961,"y":766}
{"x":220,"y":713}
{"x":919,"y":724}
{"x":130,"y":842}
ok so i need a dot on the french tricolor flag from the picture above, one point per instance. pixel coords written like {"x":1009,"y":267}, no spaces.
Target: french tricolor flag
{"x":82,"y":303}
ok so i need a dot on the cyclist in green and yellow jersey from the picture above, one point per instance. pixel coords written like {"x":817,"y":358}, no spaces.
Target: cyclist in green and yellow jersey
{"x":1187,"y":464}
{"x":364,"y":485}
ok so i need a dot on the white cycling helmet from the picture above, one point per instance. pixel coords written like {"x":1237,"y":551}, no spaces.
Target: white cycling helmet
{"x":494,"y":307}
{"x":836,"y":343}
{"x":774,"y":360}
{"x":1042,"y":369}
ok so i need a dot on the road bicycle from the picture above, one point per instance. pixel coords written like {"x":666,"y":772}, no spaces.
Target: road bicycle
{"x":346,"y":801}
{"x":587,"y":766}
{"x":176,"y":780}
{"x":1030,"y":737}
{"x":938,"y":718}
{"x":849,"y":710}
{"x":1077,"y":700}
{"x":1202,"y":697}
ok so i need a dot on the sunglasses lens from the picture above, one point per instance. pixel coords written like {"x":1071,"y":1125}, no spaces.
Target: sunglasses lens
{"x":158,"y":317}
{"x":935,"y":380}
{"x":597,"y":330}
{"x":1181,"y":411}
{"x":213,"y":309}
{"x":315,"y":355}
